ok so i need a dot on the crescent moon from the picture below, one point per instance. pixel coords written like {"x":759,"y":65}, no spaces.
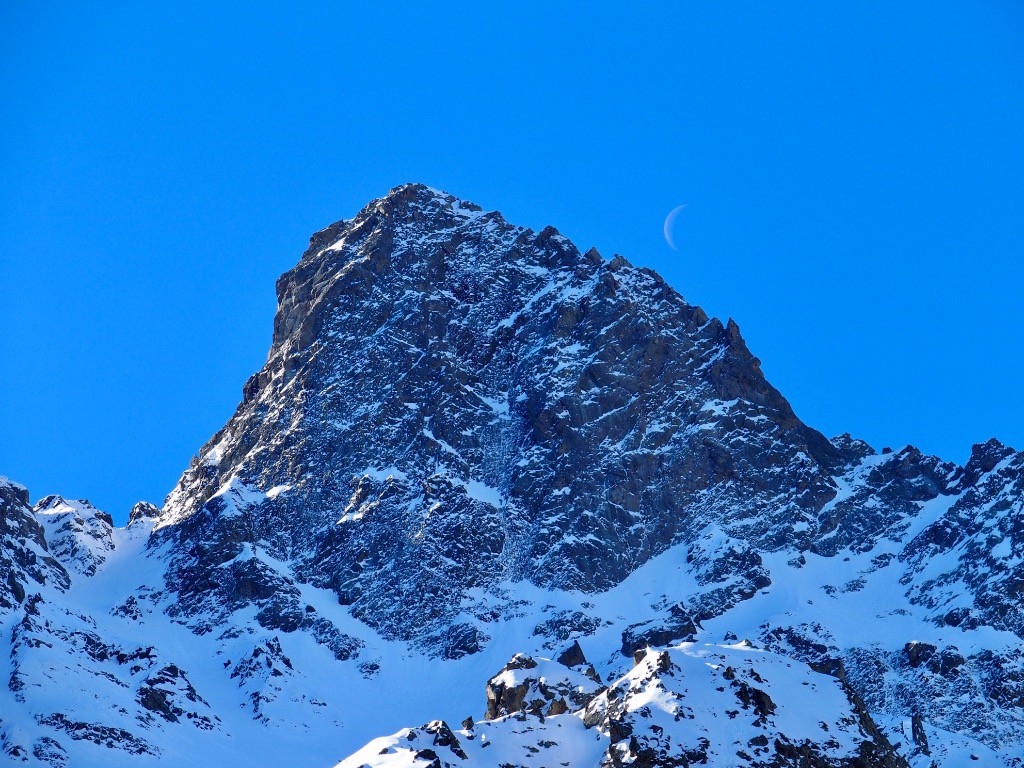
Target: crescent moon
{"x":669,"y":221}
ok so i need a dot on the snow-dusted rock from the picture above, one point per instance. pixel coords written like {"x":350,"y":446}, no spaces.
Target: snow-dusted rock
{"x":470,"y":440}
{"x":542,"y":686}
{"x":462,"y":402}
{"x":681,"y":706}
{"x":25,"y":562}
{"x":77,"y":534}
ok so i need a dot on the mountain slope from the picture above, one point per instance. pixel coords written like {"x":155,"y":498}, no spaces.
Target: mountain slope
{"x":471,"y":440}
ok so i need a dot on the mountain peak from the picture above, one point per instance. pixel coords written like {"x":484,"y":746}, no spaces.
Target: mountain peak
{"x":471,"y":441}
{"x":421,"y":193}
{"x":420,"y":202}
{"x":402,"y":204}
{"x":986,"y":456}
{"x":507,"y":379}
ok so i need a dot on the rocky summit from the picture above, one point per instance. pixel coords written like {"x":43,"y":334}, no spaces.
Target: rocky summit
{"x":530,"y":497}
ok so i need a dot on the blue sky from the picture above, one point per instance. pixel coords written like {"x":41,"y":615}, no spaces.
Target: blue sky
{"x":853,"y":174}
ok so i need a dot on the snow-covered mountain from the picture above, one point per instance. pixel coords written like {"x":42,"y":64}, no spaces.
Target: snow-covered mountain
{"x":485,"y":480}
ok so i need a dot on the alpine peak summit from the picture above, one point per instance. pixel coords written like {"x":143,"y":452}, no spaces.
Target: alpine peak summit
{"x":472,"y":443}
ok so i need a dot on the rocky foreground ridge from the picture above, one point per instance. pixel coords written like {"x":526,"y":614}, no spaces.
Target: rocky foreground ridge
{"x":472,"y":443}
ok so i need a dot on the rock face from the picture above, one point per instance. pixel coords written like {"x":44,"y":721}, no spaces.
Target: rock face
{"x":452,"y":401}
{"x":542,"y":686}
{"x":77,"y":533}
{"x":472,"y":442}
{"x":25,"y":563}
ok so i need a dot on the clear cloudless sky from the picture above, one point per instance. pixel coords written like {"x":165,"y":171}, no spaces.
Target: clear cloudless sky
{"x":853,"y":174}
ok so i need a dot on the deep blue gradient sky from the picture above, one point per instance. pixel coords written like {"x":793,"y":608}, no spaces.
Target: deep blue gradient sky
{"x":854,"y":176}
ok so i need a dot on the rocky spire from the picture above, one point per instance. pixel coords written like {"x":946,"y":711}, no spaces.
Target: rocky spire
{"x":452,"y":400}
